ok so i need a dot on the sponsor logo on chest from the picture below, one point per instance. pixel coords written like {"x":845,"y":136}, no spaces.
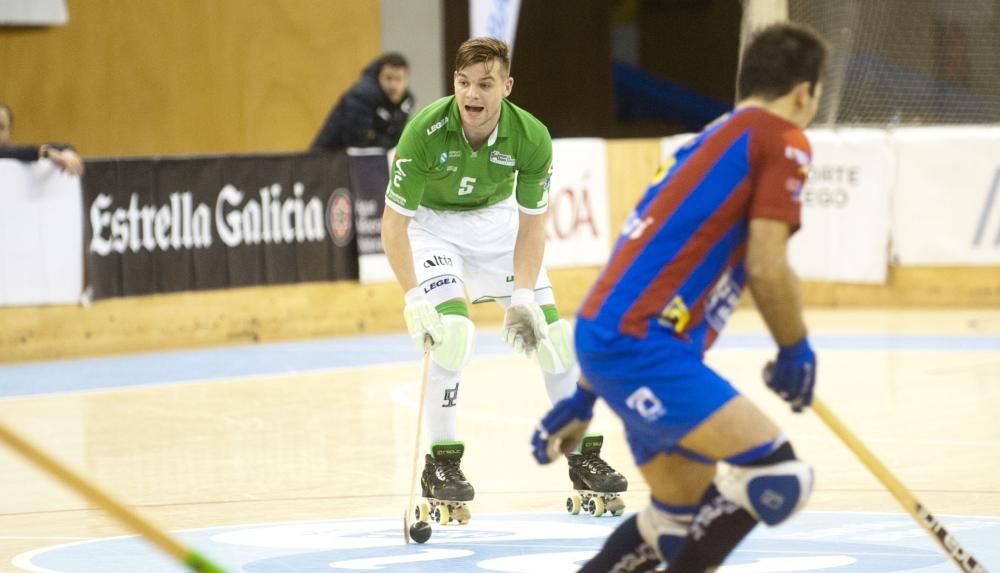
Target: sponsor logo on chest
{"x":501,"y":159}
{"x":444,"y":157}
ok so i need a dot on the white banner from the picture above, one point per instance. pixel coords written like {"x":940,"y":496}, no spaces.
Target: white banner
{"x":33,"y":12}
{"x":375,"y":268}
{"x":845,"y":208}
{"x":578,"y":217}
{"x":947,"y":203}
{"x":496,"y":18}
{"x":41,"y":235}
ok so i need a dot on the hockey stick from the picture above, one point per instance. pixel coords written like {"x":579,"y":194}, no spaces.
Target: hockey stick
{"x":416,"y":447}
{"x":921,"y":514}
{"x":135,"y":522}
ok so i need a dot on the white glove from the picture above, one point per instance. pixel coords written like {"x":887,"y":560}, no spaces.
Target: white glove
{"x":422,"y":319}
{"x":524,"y":322}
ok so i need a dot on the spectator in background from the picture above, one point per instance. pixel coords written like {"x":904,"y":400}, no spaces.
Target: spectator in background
{"x":373,"y":112}
{"x":62,"y":155}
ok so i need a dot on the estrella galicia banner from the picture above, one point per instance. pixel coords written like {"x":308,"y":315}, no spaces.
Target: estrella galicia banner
{"x":177,"y":224}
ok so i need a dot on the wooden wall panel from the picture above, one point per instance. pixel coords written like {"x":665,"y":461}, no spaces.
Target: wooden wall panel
{"x":186,"y":76}
{"x":632,"y":163}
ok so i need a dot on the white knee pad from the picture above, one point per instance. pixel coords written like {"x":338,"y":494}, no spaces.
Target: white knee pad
{"x":555,"y":353}
{"x":770,"y":493}
{"x":664,"y":531}
{"x":457,"y":343}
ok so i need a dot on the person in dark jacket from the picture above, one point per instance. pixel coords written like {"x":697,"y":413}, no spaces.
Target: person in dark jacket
{"x":62,"y":155}
{"x":373,"y":112}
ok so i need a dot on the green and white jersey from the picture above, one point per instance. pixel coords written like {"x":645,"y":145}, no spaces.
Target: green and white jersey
{"x":435,"y":167}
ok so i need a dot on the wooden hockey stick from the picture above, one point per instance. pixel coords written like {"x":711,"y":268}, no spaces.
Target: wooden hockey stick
{"x":416,"y":447}
{"x":132,"y":520}
{"x":921,"y":514}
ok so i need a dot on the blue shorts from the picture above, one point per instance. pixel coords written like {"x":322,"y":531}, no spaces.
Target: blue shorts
{"x":659,"y":386}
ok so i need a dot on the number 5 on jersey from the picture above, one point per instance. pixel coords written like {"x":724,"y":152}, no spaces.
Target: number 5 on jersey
{"x":465,"y":186}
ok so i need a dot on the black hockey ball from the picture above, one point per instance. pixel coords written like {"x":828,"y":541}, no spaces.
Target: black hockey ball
{"x":420,"y":531}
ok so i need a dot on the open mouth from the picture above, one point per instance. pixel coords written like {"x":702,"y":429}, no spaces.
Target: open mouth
{"x":474,"y":109}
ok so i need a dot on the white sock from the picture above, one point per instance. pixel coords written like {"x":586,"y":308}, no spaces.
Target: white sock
{"x":560,"y":386}
{"x":441,"y":404}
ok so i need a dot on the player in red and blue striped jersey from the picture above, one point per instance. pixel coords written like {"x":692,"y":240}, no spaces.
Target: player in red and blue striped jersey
{"x":718,"y":216}
{"x":678,"y":268}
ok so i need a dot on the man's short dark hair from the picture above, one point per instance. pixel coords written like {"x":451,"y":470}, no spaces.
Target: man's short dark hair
{"x":778,"y":58}
{"x":392,"y":59}
{"x":483,"y":50}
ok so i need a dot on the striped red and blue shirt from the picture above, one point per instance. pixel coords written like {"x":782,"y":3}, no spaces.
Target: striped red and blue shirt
{"x":679,"y":262}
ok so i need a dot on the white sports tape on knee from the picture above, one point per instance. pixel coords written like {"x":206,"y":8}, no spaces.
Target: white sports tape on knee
{"x":457,"y":343}
{"x":770,"y":493}
{"x":663,"y":530}
{"x":555,"y":353}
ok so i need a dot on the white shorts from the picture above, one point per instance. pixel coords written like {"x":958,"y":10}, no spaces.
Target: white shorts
{"x":458,"y":250}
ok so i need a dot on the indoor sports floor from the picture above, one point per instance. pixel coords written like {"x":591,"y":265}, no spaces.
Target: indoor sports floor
{"x":288,"y":457}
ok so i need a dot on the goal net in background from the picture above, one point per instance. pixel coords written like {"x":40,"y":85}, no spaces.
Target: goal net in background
{"x":900,"y":62}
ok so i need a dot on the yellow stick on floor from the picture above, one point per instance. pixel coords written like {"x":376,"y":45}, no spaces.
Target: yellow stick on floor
{"x":925,"y":518}
{"x":135,"y":522}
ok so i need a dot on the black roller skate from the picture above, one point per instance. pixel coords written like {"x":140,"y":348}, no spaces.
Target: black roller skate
{"x":444,"y":487}
{"x":597,"y":484}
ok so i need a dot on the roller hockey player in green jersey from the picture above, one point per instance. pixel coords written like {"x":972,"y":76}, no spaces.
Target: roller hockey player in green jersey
{"x":453,"y":223}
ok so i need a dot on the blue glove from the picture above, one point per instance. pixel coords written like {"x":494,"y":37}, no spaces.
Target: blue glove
{"x":793,"y":374}
{"x":563,"y":427}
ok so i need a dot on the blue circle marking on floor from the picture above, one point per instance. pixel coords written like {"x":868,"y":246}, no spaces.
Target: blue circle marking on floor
{"x":834,"y":542}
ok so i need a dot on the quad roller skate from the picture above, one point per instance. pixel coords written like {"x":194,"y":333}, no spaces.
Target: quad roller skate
{"x":445,"y":490}
{"x":598,"y":485}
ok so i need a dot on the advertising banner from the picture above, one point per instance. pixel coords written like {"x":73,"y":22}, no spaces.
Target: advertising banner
{"x":845,"y":208}
{"x":167,"y":225}
{"x":577,"y":219}
{"x":40,"y":235}
{"x":33,"y":13}
{"x":947,"y":198}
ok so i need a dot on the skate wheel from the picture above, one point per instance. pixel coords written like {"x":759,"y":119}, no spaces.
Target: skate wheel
{"x":573,"y":504}
{"x":442,"y":515}
{"x":618,"y":512}
{"x":421,"y":512}
{"x":462,"y":515}
{"x":615,"y":506}
{"x":596,"y":506}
